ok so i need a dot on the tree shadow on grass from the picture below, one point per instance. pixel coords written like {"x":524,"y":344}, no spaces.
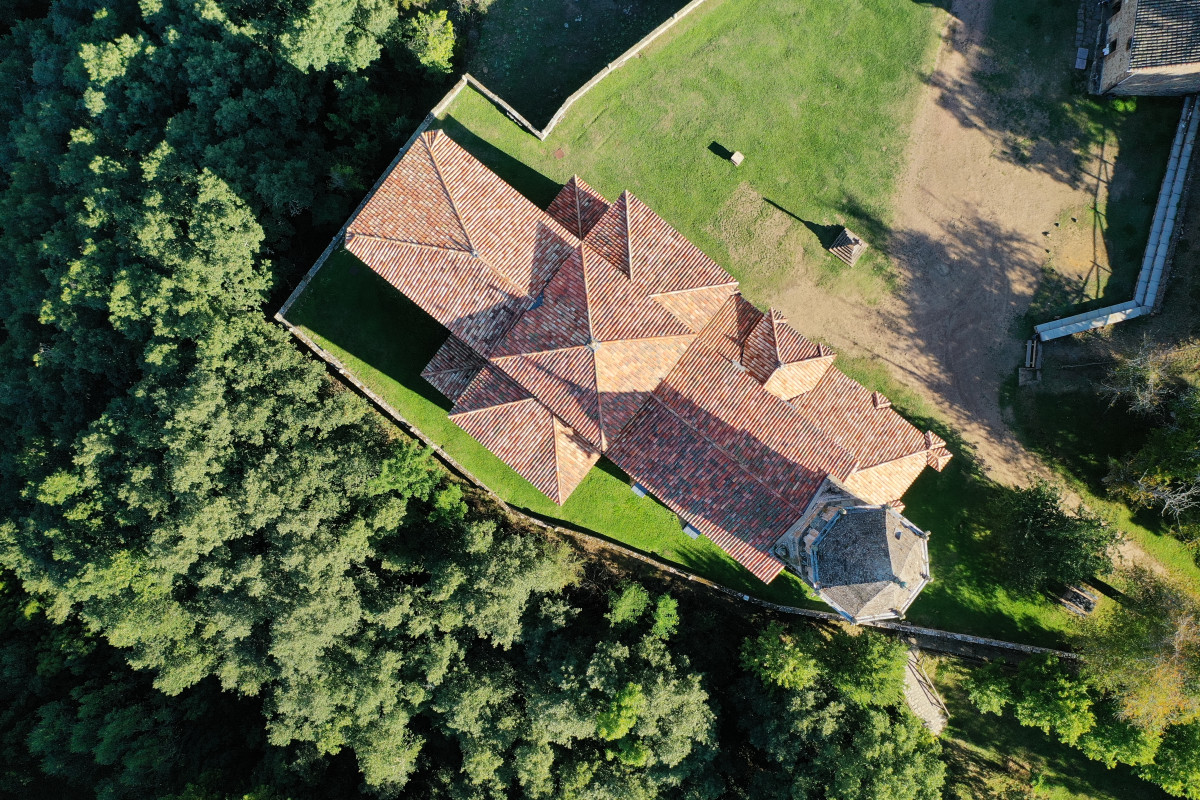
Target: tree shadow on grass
{"x":535,"y":53}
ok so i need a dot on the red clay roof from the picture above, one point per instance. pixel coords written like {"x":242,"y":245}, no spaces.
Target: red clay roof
{"x":595,"y":327}
{"x":578,"y":207}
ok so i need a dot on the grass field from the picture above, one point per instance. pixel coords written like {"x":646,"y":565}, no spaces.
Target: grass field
{"x":818,"y":96}
{"x":994,"y":758}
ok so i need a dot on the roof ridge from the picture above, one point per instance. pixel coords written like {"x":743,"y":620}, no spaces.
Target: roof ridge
{"x":558,"y":473}
{"x":627,"y":195}
{"x":654,"y":295}
{"x":446,"y":189}
{"x":587,"y":293}
{"x":575,"y":193}
{"x":453,"y":413}
{"x":378,"y":238}
{"x":541,"y":352}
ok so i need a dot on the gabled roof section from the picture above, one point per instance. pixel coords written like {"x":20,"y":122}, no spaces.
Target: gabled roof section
{"x":413,"y":205}
{"x":870,"y":563}
{"x":1166,"y":33}
{"x":523,"y":433}
{"x":559,"y":318}
{"x":594,"y":348}
{"x":515,"y":237}
{"x":696,"y":307}
{"x":847,"y":411}
{"x":706,"y":487}
{"x":650,"y":252}
{"x":578,"y":207}
{"x":764,"y":435}
{"x":455,"y":288}
{"x":782,"y":360}
{"x":452,"y":368}
{"x":565,"y":381}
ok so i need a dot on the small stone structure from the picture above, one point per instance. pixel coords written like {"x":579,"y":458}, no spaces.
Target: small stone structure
{"x":848,"y":247}
{"x":737,"y":158}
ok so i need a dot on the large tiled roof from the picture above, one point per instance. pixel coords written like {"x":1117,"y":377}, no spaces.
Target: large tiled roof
{"x":1166,"y":33}
{"x":457,"y":240}
{"x":596,"y":327}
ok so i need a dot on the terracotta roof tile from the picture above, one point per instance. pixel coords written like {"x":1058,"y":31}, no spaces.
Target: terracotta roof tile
{"x":704,"y":486}
{"x":515,"y":237}
{"x":628,"y":372}
{"x":847,"y":412}
{"x":558,"y":320}
{"x":452,"y":368}
{"x":663,"y":260}
{"x":618,"y":310}
{"x":696,"y":307}
{"x":577,"y":207}
{"x":413,"y":205}
{"x":565,"y":380}
{"x":456,"y":289}
{"x":523,"y":433}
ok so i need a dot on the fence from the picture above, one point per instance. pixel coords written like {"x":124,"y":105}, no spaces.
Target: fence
{"x":1164,"y":233}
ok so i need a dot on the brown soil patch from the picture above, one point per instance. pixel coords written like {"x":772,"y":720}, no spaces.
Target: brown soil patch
{"x":969,"y":240}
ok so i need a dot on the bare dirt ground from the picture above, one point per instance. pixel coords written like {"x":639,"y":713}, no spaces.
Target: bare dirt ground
{"x":969,"y":245}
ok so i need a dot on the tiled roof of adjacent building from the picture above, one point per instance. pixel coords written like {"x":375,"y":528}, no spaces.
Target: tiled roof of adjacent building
{"x":598,"y":328}
{"x":1166,"y":33}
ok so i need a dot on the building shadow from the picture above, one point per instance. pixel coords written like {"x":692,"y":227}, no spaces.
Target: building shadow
{"x":539,"y":189}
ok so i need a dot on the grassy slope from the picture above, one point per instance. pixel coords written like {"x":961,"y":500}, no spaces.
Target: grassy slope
{"x":991,"y":757}
{"x":823,"y":132}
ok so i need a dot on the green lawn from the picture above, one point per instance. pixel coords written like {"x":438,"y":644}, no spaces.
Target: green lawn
{"x":534,"y":53}
{"x":993,"y":757}
{"x":818,"y":96}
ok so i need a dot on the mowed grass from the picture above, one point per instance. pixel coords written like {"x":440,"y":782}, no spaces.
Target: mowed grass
{"x":386,"y":340}
{"x":991,"y":756}
{"x":818,"y":97}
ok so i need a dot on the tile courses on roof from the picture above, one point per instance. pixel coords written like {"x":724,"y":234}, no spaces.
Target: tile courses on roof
{"x":1166,"y":33}
{"x":597,"y":328}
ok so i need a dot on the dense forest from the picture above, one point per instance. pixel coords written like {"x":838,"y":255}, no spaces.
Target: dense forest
{"x":224,"y":576}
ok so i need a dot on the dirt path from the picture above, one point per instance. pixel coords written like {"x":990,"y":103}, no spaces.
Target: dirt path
{"x":968,"y":245}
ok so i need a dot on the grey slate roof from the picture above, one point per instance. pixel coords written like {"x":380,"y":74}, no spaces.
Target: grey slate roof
{"x":869,"y":562}
{"x":1166,"y":33}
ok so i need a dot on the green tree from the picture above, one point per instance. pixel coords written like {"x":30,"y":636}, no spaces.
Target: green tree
{"x":867,"y":668}
{"x":1050,"y":698}
{"x":1176,"y":765}
{"x":777,"y":656}
{"x":430,"y":37}
{"x":1145,"y":651}
{"x":1044,"y":545}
